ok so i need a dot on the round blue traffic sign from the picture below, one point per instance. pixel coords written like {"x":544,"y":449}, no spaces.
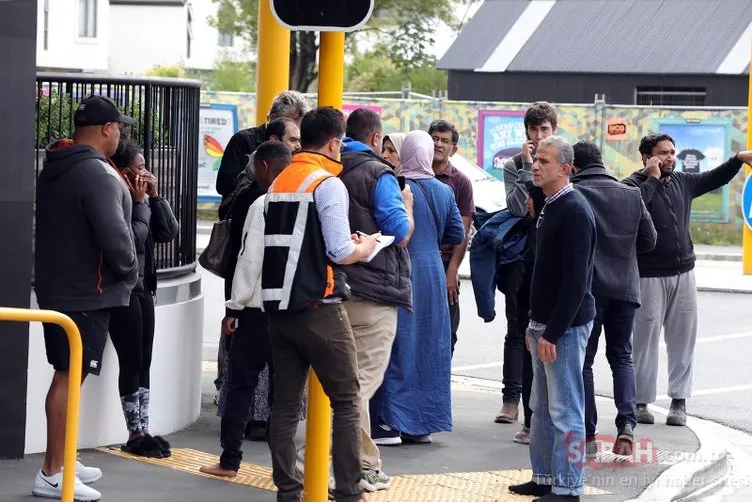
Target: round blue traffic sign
{"x":747,"y":201}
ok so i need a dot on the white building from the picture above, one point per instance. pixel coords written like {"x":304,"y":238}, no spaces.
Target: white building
{"x":129,"y":36}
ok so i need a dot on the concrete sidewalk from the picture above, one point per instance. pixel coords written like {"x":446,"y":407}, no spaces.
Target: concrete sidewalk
{"x":476,"y":463}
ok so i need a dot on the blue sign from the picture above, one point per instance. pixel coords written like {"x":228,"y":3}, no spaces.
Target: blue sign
{"x":501,"y":134}
{"x":747,"y":202}
{"x":701,"y":145}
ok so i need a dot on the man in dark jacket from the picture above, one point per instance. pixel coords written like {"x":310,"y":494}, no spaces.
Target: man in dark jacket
{"x":667,"y":281}
{"x":623,"y":229}
{"x":540,"y":122}
{"x":381,"y":285}
{"x":290,"y":104}
{"x":85,"y":264}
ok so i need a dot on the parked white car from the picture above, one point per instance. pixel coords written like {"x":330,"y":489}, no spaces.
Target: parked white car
{"x":488,"y":192}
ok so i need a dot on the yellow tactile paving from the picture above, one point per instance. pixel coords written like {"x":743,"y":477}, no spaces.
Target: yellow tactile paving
{"x":188,"y":460}
{"x":489,"y":486}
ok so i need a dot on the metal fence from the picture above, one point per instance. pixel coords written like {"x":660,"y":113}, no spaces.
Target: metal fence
{"x":167,"y":129}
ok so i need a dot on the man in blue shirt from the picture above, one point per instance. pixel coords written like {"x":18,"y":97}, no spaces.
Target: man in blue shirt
{"x":383,"y":284}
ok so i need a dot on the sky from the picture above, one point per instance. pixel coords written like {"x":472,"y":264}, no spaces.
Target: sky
{"x":445,"y":35}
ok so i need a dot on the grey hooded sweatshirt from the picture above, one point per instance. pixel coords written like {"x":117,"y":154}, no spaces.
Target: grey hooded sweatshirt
{"x":85,"y":257}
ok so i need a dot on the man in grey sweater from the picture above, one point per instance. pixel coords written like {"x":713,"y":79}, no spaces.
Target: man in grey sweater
{"x":540,"y":122}
{"x":85,"y":264}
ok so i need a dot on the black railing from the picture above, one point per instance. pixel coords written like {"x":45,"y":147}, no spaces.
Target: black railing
{"x":166,"y":111}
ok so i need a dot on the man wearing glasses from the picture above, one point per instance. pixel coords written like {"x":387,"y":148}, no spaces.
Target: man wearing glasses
{"x":445,"y":138}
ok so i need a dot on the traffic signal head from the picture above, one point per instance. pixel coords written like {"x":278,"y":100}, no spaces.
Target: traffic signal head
{"x":322,"y":15}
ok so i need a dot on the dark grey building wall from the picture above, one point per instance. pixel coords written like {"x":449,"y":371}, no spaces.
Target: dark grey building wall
{"x":18,"y":28}
{"x":722,"y":90}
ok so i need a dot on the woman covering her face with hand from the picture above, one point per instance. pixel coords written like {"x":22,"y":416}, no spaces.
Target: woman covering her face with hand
{"x":132,"y":327}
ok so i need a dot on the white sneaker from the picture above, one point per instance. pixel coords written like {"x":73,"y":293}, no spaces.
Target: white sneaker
{"x":52,"y":487}
{"x":88,"y":475}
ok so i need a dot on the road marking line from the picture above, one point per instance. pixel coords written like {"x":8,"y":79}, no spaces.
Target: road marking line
{"x":702,"y":340}
{"x":710,"y":392}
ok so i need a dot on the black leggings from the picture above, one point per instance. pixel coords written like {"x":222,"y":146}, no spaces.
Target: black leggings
{"x":132,"y":333}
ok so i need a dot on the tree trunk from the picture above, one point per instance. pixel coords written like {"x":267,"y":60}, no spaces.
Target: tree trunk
{"x":303,"y":49}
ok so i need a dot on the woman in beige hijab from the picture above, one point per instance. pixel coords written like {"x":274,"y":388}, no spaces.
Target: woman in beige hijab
{"x":391,"y":150}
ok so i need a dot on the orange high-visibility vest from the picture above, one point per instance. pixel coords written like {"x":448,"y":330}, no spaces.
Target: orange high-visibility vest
{"x":297,"y":272}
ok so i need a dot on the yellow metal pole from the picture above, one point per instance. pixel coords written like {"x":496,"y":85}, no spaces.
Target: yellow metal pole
{"x":74,"y":384}
{"x":332,"y":69}
{"x":273,"y":62}
{"x":747,"y":236}
{"x":319,"y":424}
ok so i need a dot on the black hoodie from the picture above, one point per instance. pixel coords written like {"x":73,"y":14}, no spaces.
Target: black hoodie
{"x":85,"y":258}
{"x":669,"y":202}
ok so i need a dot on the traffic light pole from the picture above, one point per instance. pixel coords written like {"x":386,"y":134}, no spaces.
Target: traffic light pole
{"x":747,"y":236}
{"x":273,"y":64}
{"x":319,"y":424}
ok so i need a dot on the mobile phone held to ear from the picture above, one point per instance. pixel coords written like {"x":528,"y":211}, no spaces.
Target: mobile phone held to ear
{"x":401,"y":181}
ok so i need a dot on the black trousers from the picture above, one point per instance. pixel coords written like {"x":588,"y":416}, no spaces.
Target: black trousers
{"x":616,"y":318}
{"x":132,"y":333}
{"x":250,"y":351}
{"x":518,"y":364}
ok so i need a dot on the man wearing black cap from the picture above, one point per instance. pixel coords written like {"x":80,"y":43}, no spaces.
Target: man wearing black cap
{"x":85,"y":264}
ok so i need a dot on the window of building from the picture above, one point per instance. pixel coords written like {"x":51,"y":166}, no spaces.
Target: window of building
{"x":225,"y":40}
{"x":670,"y":96}
{"x":46,"y":25}
{"x":189,"y":32}
{"x":87,"y":18}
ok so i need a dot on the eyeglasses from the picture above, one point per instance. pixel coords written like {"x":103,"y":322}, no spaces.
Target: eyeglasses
{"x":341,"y":143}
{"x":443,"y":141}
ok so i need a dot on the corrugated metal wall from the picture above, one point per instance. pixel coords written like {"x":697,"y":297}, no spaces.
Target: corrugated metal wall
{"x":722,"y":90}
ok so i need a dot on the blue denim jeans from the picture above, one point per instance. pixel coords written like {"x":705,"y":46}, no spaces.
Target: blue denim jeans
{"x":557,"y":429}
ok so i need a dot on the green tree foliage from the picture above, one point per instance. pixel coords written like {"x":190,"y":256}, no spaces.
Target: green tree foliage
{"x":405,"y":28}
{"x":375,"y":70}
{"x":229,"y":75}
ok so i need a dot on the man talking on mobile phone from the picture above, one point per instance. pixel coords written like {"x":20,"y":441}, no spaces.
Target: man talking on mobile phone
{"x":667,"y":280}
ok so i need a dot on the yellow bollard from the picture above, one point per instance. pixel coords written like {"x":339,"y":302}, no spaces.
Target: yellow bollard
{"x":319,"y":424}
{"x":74,"y":383}
{"x":273,"y":62}
{"x":747,"y":235}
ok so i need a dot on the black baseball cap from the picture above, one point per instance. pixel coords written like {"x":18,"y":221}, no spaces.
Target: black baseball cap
{"x":99,"y":110}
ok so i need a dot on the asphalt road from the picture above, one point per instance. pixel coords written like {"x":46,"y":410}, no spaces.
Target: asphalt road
{"x":723,"y":381}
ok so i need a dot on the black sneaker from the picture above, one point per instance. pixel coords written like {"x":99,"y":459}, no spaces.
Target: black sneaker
{"x":143,"y":447}
{"x":161,"y":444}
{"x":530,"y":489}
{"x":643,"y":416}
{"x":383,"y":435}
{"x":624,"y":443}
{"x":677,"y":414}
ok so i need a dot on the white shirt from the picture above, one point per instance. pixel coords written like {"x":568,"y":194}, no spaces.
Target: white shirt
{"x":246,"y":283}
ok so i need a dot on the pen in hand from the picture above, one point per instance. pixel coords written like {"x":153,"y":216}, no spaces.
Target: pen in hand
{"x":365,"y":235}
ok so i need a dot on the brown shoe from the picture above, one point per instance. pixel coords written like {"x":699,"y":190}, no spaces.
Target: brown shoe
{"x":508,"y":414}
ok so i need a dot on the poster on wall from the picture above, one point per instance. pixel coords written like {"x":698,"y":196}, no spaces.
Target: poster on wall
{"x":501,"y":134}
{"x":349,"y":108}
{"x":217,"y":124}
{"x":702,"y":146}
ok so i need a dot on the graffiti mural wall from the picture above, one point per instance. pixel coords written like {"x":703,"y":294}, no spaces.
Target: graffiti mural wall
{"x":616,"y":129}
